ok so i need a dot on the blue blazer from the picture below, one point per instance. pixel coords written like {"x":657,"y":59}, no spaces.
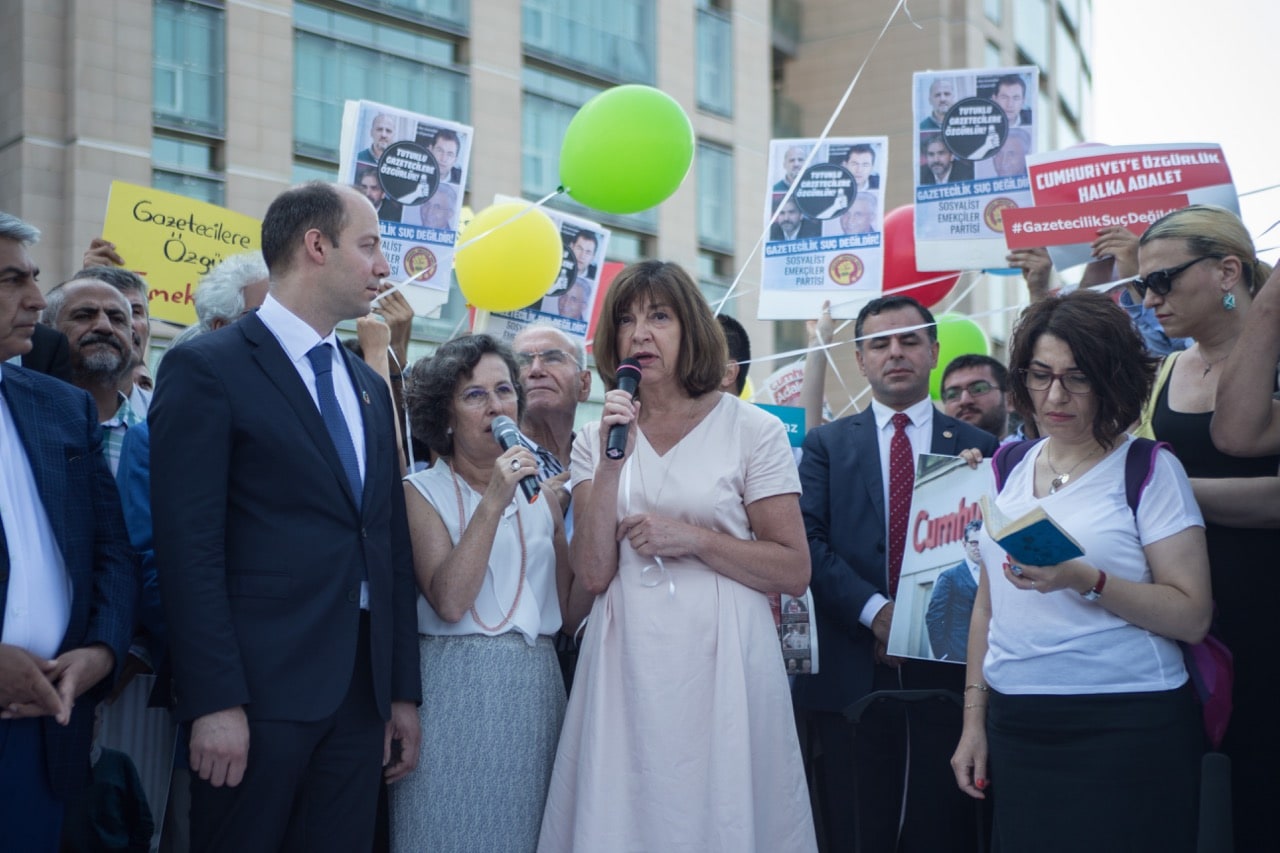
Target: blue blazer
{"x":260,"y":547}
{"x":57,"y":424}
{"x":950,"y":607}
{"x":843,"y":506}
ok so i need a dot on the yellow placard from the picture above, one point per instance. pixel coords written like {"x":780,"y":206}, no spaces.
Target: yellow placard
{"x":172,"y":241}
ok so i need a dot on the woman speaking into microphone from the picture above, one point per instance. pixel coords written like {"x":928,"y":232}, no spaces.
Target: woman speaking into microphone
{"x":679,"y":734}
{"x":492,"y":567}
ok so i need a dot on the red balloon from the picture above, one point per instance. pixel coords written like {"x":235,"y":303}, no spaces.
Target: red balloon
{"x":900,"y":271}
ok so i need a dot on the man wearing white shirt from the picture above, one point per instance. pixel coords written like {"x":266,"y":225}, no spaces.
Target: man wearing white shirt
{"x":857,"y":475}
{"x":280,"y":531}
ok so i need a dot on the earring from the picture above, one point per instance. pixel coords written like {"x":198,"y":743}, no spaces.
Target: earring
{"x":448,"y":431}
{"x":1229,"y":301}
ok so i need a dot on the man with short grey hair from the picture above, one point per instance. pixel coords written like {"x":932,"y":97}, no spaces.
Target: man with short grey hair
{"x":230,"y":290}
{"x":95,"y":318}
{"x":134,"y":288}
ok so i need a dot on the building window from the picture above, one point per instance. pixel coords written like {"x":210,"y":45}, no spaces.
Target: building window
{"x":1067,"y":70}
{"x":715,"y":196}
{"x":994,"y":10}
{"x":187,"y":167}
{"x":612,"y":39}
{"x":339,"y":57}
{"x":188,"y":99}
{"x":1031,"y":31}
{"x":991,"y":55}
{"x":454,"y":12}
{"x":627,"y":248}
{"x":188,"y":66}
{"x":715,"y":59}
{"x":715,"y":274}
{"x":550,"y":102}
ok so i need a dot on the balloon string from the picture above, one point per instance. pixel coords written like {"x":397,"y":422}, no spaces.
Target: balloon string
{"x":813,"y":151}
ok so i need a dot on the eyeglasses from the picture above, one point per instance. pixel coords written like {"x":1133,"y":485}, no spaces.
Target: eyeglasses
{"x":478,"y":398}
{"x":975,"y":389}
{"x":1042,"y":380}
{"x":550,"y":358}
{"x":1161,"y":281}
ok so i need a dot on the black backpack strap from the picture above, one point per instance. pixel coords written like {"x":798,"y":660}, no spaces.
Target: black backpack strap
{"x":1008,"y":456}
{"x":1139,"y":468}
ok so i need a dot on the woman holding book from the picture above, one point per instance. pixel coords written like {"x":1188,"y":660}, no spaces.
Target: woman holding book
{"x":493,"y":570}
{"x":1078,"y":716}
{"x":1200,"y":276}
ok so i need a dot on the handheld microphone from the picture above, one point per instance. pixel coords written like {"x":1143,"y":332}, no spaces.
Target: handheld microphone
{"x":507,"y":436}
{"x":628,"y":380}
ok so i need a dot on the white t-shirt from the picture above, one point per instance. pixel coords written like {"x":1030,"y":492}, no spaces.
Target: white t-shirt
{"x":1057,"y":642}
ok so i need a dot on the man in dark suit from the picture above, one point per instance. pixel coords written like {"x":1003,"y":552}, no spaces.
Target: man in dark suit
{"x":283,"y":550}
{"x":49,"y":354}
{"x":67,"y":574}
{"x":951,"y":602}
{"x":846,"y":473}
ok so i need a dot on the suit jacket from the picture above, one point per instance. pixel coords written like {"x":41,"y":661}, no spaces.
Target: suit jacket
{"x":842,"y":500}
{"x":58,"y":426}
{"x":50,"y":353}
{"x":259,"y":544}
{"x":950,"y":607}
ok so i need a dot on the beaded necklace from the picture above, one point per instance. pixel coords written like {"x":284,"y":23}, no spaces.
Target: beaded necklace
{"x":524,"y":554}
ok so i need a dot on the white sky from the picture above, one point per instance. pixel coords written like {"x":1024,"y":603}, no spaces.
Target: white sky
{"x":1182,"y":71}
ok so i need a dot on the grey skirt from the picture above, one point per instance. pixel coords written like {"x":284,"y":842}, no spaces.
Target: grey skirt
{"x":491,"y":715}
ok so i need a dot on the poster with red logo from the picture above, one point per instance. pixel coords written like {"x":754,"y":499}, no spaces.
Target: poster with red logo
{"x":1122,"y":185}
{"x":413,"y":170}
{"x":975,"y":132}
{"x":939,"y":564}
{"x":825,"y":242}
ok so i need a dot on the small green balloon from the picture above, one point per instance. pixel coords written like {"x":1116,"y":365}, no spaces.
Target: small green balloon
{"x":626,"y":150}
{"x":957,"y":336}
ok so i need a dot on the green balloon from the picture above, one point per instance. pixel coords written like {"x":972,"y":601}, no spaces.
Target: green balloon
{"x":957,"y":336}
{"x":626,"y":150}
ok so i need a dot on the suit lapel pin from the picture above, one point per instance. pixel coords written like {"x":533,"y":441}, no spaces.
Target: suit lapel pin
{"x":946,"y":433}
{"x":364,"y":395}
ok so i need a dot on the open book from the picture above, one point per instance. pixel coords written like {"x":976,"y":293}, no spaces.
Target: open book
{"x":1034,"y":539}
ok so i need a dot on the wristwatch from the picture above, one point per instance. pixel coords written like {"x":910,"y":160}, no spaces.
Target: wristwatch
{"x":1096,"y":593}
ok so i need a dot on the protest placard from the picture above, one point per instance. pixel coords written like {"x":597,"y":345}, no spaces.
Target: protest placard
{"x":826,"y":242}
{"x":172,"y":241}
{"x":975,"y":133}
{"x":939,"y":573}
{"x":413,"y":169}
{"x":1129,"y":181}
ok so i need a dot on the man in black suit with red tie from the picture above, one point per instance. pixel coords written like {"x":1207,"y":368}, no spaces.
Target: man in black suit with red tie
{"x":283,"y":550}
{"x":857,"y":475}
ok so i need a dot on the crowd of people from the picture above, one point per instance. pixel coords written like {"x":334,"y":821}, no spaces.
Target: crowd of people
{"x":306,"y":595}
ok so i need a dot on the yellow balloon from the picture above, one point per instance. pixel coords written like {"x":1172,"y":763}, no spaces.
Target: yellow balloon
{"x":514,"y":259}
{"x":748,"y":390}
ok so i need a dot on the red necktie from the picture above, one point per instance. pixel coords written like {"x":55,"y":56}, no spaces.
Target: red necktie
{"x":902,"y":479}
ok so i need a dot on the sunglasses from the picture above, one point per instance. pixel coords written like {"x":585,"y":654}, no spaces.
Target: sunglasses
{"x":1161,"y":281}
{"x":975,"y":389}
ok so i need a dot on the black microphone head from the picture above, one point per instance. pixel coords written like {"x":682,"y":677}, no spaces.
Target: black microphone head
{"x":504,"y":431}
{"x":628,"y":375}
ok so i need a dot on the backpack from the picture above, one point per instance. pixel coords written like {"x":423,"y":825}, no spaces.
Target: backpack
{"x":1209,"y":662}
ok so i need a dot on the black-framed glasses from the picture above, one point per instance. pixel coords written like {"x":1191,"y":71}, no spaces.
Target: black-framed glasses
{"x":1161,"y":281}
{"x":550,"y":358}
{"x":975,"y":389}
{"x":1038,"y":379}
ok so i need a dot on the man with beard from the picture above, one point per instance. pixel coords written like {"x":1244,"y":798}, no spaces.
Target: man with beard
{"x":942,"y":94}
{"x":973,"y":391}
{"x":96,"y":318}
